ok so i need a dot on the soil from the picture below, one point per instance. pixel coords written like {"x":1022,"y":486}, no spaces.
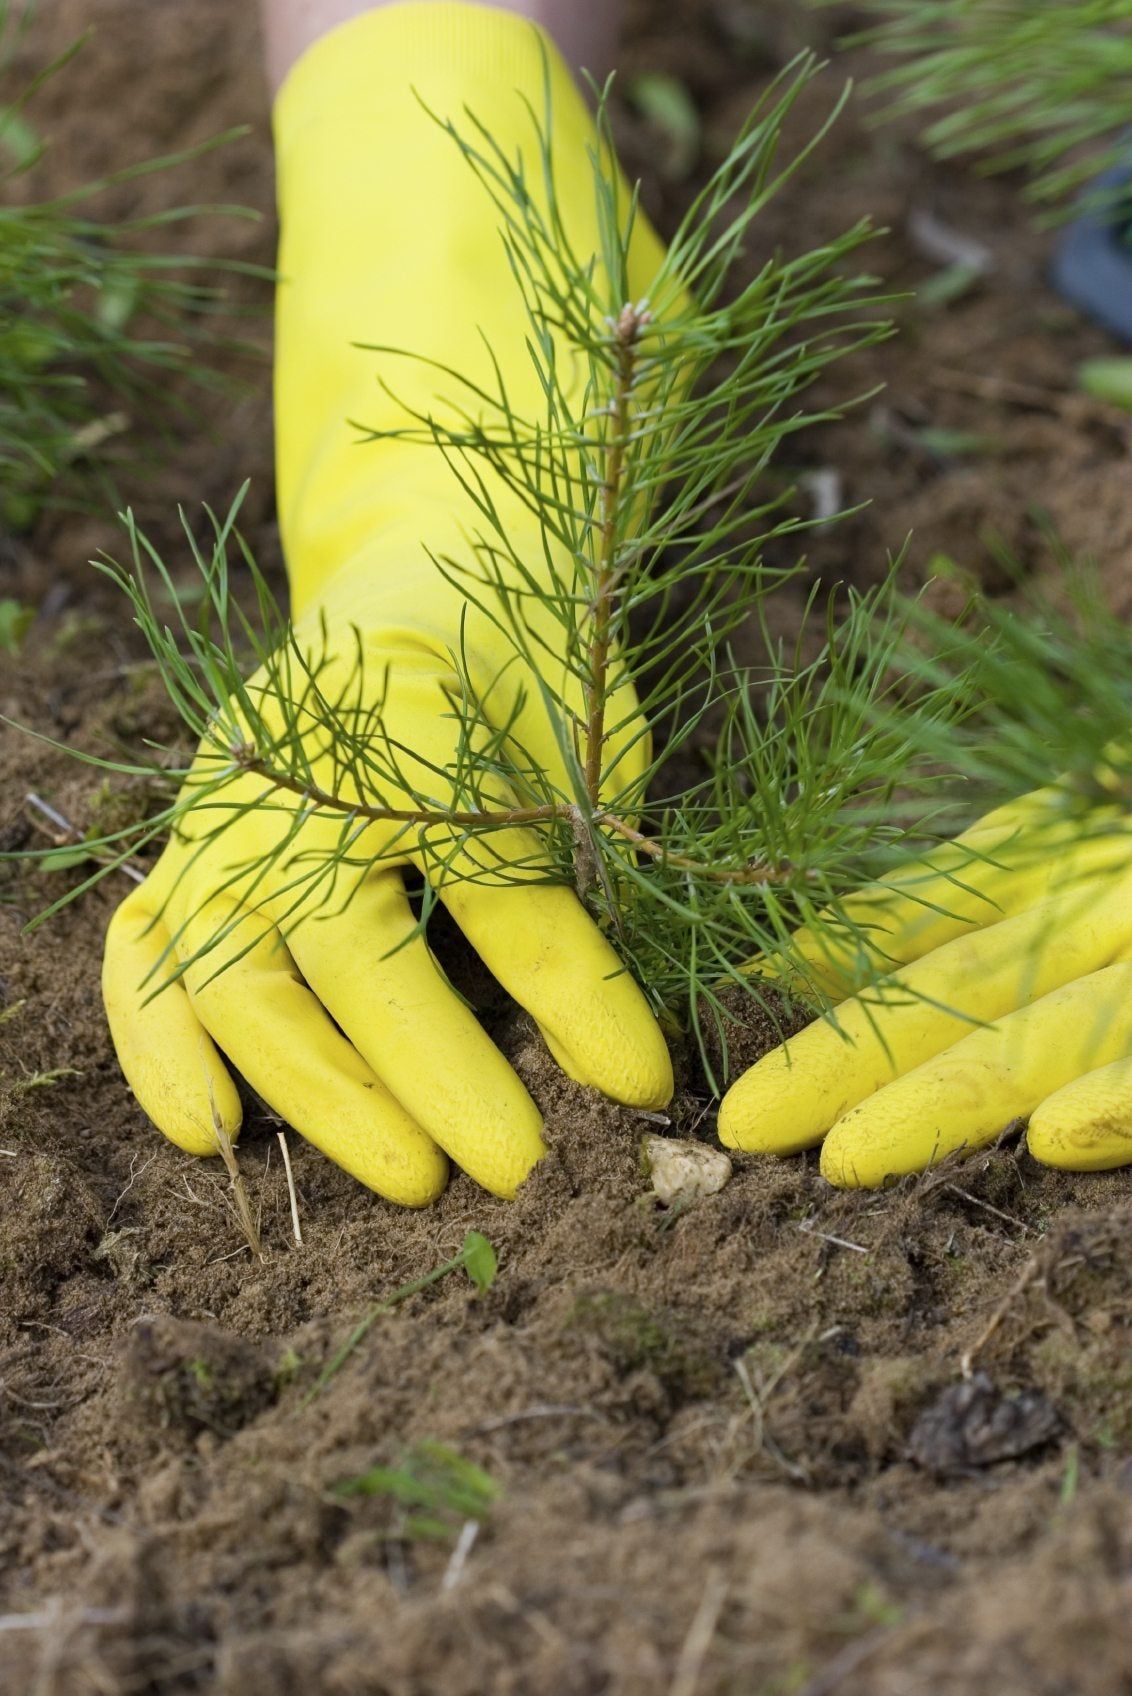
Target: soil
{"x":784,"y":1442}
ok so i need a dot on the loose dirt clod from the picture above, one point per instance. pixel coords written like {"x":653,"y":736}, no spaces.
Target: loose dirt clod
{"x":682,"y":1171}
{"x":974,"y":1424}
{"x":179,"y":1376}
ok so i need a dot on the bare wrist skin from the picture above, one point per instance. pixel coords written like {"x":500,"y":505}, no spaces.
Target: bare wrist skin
{"x":584,"y":31}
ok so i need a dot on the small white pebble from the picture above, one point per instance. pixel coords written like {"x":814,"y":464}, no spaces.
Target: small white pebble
{"x":682,"y":1170}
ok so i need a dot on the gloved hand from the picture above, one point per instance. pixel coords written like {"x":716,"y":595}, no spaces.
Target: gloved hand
{"x":989,"y":981}
{"x":350,"y":1033}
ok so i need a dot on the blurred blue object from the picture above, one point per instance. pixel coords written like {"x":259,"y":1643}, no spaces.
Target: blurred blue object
{"x":1092,"y":264}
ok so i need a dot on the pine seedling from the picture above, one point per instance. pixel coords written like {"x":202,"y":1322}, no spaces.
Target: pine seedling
{"x":75,"y":369}
{"x":1049,"y":690}
{"x":651,"y":479}
{"x":1039,"y":85}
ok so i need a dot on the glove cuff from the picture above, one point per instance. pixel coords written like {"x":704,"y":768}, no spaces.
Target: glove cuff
{"x":397,"y":44}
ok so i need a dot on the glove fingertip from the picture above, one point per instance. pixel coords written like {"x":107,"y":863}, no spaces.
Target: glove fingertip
{"x":895,"y":1133}
{"x":416,"y":1179}
{"x":732,"y":1126}
{"x":842,"y":1167}
{"x":188,"y":1105}
{"x":170,"y":1062}
{"x":631,"y":1066}
{"x":1087,"y":1125}
{"x":505,"y":1176}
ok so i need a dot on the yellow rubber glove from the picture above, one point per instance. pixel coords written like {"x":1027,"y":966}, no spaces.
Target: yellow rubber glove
{"x":995,"y":984}
{"x":356,"y":1042}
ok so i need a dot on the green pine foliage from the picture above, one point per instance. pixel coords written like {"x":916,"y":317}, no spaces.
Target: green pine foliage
{"x":1041,"y":85}
{"x":805,"y":779}
{"x":92,"y":324}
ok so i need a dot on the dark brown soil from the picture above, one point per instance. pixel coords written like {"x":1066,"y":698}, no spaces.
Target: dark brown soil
{"x":735,"y":1452}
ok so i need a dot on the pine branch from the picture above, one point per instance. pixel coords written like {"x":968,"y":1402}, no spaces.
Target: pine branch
{"x":1039,"y":85}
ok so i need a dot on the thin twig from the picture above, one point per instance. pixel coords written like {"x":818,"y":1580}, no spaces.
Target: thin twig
{"x":758,"y":1400}
{"x":135,"y":1174}
{"x":281,"y":1135}
{"x":693,"y":1650}
{"x":50,"y":1618}
{"x":239,"y":1193}
{"x":1026,"y":395}
{"x":464,"y":1545}
{"x":69,"y":835}
{"x":755,"y":872}
{"x":828,"y":1237}
{"x":248,"y":759}
{"x":846,"y":1661}
{"x":541,"y":1410}
{"x":988,"y":1207}
{"x":1018,"y":1288}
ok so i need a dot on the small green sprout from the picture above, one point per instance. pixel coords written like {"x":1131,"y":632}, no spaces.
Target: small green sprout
{"x":477,"y":1258}
{"x":16,"y":620}
{"x":1108,"y":380}
{"x":436,"y":1489}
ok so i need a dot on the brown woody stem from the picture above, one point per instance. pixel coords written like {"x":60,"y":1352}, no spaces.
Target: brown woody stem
{"x":755,"y":872}
{"x":626,"y":331}
{"x":248,"y":760}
